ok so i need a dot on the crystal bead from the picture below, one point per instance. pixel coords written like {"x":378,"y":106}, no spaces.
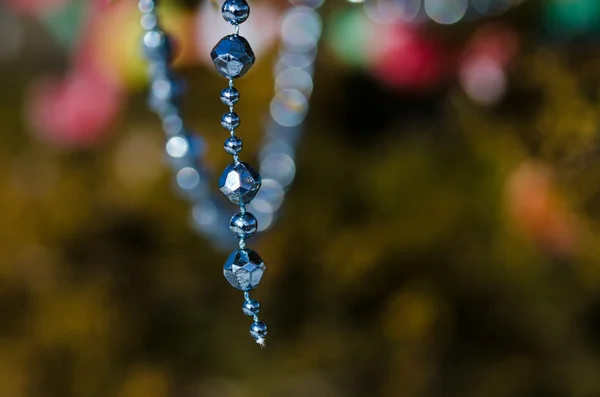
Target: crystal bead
{"x":244,"y":269}
{"x":258,"y":330}
{"x":235,"y":11}
{"x":251,"y":307}
{"x":230,"y":121}
{"x":230,"y":96}
{"x":240,"y":183}
{"x":233,"y":145}
{"x":232,"y":56}
{"x":243,"y":225}
{"x":157,"y":46}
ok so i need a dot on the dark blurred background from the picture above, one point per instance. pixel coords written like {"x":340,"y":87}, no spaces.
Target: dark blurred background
{"x":442,"y":237}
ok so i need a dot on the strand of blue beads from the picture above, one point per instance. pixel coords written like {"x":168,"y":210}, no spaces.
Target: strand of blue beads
{"x":185,"y":150}
{"x":244,"y":268}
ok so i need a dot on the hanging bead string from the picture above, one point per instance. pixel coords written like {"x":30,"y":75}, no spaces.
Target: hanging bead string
{"x":300,"y":33}
{"x":240,"y":183}
{"x":244,"y":268}
{"x":184,"y":149}
{"x":293,"y":71}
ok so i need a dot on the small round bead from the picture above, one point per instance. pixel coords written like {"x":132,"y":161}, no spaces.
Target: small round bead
{"x":164,"y":94}
{"x":233,"y":145}
{"x":149,"y":22}
{"x":251,"y":307}
{"x":177,"y":146}
{"x":230,"y":121}
{"x":157,"y":46}
{"x":243,"y":225}
{"x":235,"y":11}
{"x":146,"y":6}
{"x":158,"y":69}
{"x":258,"y":330}
{"x":173,"y":125}
{"x":169,"y":87}
{"x":230,"y":96}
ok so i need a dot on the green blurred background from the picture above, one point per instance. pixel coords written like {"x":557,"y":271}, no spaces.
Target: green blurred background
{"x":438,"y":241}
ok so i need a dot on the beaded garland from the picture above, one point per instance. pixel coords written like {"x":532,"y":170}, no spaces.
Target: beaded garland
{"x":240,"y":183}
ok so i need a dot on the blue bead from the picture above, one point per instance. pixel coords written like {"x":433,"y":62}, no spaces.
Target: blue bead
{"x":178,"y":146}
{"x":230,"y":121}
{"x":173,"y":125}
{"x":243,"y":269}
{"x":233,"y":56}
{"x":230,"y":96}
{"x":243,"y":225}
{"x":184,"y":150}
{"x":235,"y":11}
{"x":157,"y":46}
{"x":251,"y":307}
{"x":149,"y":22}
{"x":146,"y":6}
{"x":168,"y":88}
{"x":258,"y":330}
{"x":240,"y":183}
{"x":233,"y":145}
{"x":157,"y":70}
{"x":165,"y":93}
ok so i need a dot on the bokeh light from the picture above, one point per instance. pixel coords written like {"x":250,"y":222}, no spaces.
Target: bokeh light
{"x":429,"y":213}
{"x":446,"y":12}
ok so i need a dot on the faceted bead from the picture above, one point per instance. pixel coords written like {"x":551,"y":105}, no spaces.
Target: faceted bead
{"x":243,"y":225}
{"x":232,"y":56}
{"x":233,"y":145}
{"x":239,"y":182}
{"x":230,"y":96}
{"x":251,"y":307}
{"x":157,"y":46}
{"x":235,"y":11}
{"x":230,"y":121}
{"x":258,"y":330}
{"x":244,"y":269}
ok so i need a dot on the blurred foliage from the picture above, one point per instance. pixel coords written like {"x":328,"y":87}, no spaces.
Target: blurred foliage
{"x":430,"y":247}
